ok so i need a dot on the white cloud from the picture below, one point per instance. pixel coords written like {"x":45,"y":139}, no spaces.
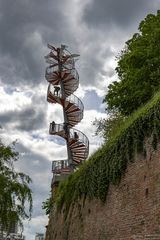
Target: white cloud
{"x":25,"y":115}
{"x":36,"y":225}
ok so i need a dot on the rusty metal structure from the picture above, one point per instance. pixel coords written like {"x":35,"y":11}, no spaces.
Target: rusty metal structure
{"x":63,"y":80}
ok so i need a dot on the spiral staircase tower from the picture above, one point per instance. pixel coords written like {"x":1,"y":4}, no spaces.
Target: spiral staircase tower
{"x":63,"y":81}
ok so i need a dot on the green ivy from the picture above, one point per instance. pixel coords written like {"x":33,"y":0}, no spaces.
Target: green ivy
{"x":47,"y":205}
{"x":109,"y":163}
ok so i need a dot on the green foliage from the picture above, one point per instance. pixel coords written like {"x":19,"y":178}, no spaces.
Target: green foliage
{"x":109,"y":163}
{"x":138,"y":69}
{"x":107,"y":127}
{"x":14,"y":190}
{"x":47,"y":205}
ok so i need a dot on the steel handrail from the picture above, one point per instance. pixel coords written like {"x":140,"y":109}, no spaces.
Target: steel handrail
{"x":75,"y":81}
{"x":55,"y":69}
{"x":71,"y":98}
{"x":60,"y":127}
{"x":56,"y":127}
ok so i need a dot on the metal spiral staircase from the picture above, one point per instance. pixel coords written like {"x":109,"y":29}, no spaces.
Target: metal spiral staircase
{"x":63,"y":82}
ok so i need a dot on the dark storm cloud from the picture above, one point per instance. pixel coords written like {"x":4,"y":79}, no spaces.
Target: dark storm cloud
{"x":26,"y":27}
{"x":122,"y":13}
{"x":111,"y":23}
{"x":93,"y":62}
{"x":26,"y":119}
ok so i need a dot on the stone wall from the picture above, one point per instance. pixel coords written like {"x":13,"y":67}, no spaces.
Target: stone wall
{"x":131,"y":210}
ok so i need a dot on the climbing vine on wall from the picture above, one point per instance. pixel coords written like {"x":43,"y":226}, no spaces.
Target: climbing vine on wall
{"x":109,"y":163}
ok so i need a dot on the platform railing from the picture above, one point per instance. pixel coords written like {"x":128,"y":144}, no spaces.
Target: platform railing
{"x":58,"y":165}
{"x":55,"y":128}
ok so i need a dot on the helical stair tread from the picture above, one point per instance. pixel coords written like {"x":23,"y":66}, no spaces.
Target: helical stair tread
{"x":75,"y":116}
{"x":78,"y":148}
{"x":71,"y":104}
{"x":67,"y":78}
{"x":72,"y":109}
{"x":66,"y":104}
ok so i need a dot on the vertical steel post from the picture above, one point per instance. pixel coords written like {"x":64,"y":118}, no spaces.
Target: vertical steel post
{"x":66,"y":128}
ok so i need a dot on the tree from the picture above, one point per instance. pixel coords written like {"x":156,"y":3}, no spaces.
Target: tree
{"x":14,"y":190}
{"x":47,"y":205}
{"x":107,"y":127}
{"x":138,"y":69}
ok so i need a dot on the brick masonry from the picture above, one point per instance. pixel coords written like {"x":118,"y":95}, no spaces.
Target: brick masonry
{"x":131,"y":210}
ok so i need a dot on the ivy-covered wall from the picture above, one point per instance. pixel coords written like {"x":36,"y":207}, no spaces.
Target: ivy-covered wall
{"x":112,"y":179}
{"x":131,"y":210}
{"x":109,"y":163}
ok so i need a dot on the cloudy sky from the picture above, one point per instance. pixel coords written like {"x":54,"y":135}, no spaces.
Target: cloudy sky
{"x":97,"y":30}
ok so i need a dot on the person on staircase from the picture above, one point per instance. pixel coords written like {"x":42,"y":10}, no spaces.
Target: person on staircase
{"x":76,"y":135}
{"x":56,"y":90}
{"x":53,"y":126}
